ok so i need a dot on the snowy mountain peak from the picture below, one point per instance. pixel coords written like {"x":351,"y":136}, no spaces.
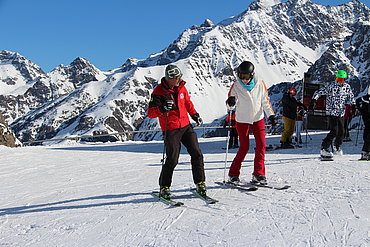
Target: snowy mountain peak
{"x":268,"y":3}
{"x":298,"y":2}
{"x":81,"y":62}
{"x":263,"y":4}
{"x":27,"y":68}
{"x":207,"y":23}
{"x":79,"y":72}
{"x":7,"y":55}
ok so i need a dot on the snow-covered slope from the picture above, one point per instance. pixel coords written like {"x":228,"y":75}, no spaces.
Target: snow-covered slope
{"x":283,"y":40}
{"x":99,"y":195}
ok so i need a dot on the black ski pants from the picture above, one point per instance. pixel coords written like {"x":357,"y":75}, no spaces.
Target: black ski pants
{"x":173,"y":140}
{"x":366,"y":146}
{"x":336,"y":125}
{"x":347,"y":121}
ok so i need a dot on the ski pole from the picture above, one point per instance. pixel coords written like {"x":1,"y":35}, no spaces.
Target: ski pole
{"x":227,"y":143}
{"x":358,"y":129}
{"x":164,"y":141}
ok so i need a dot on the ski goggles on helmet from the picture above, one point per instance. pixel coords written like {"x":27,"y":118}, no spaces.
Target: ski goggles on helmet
{"x":174,"y":73}
{"x":244,"y":76}
{"x":341,"y":80}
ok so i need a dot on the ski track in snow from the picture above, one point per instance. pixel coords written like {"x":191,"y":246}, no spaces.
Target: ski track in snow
{"x":100,"y":195}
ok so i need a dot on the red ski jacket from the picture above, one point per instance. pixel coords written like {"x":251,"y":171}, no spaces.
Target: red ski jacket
{"x":226,"y":122}
{"x":178,"y":115}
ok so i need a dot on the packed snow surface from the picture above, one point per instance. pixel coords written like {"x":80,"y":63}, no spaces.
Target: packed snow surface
{"x":100,"y":195}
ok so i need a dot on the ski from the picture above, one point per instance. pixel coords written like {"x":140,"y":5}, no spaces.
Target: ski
{"x":244,"y":187}
{"x":272,"y":147}
{"x":284,"y":187}
{"x":275,"y":147}
{"x":326,"y":158}
{"x":167,"y":201}
{"x":207,"y":199}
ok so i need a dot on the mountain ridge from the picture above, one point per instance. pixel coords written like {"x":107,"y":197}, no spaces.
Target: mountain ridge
{"x":79,"y":99}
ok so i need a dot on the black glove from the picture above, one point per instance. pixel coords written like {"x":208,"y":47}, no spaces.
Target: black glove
{"x":312,"y":105}
{"x":273,"y":120}
{"x":166,"y":105}
{"x":197,"y":119}
{"x":231,"y":101}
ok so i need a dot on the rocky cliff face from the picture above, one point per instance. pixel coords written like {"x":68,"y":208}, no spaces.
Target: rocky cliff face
{"x":283,"y":40}
{"x":7,"y":138}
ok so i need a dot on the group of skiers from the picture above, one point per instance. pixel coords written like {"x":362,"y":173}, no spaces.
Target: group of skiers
{"x":248,"y":100}
{"x":340,"y":107}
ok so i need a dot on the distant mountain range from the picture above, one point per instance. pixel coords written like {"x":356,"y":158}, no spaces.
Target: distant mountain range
{"x":283,"y":40}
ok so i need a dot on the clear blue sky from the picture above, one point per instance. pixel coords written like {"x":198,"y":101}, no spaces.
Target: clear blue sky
{"x":53,"y":32}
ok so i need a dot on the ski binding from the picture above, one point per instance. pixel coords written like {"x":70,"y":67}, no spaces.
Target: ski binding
{"x":244,"y":187}
{"x":207,"y":199}
{"x":167,"y":201}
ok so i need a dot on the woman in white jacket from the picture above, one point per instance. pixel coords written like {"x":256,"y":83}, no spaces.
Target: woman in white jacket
{"x":250,"y":96}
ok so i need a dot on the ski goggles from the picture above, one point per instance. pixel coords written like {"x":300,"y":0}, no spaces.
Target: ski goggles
{"x":341,"y":80}
{"x":177,"y":77}
{"x":245,"y":76}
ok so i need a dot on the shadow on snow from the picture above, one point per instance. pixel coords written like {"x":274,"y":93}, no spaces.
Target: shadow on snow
{"x":58,"y":206}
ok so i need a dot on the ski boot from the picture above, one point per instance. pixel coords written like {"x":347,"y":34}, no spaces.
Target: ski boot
{"x":201,"y":188}
{"x":165,"y":192}
{"x":365,"y":155}
{"x":347,"y":139}
{"x":259,"y":179}
{"x":234,"y":180}
{"x":326,"y":154}
{"x":286,"y":145}
{"x":338,"y":150}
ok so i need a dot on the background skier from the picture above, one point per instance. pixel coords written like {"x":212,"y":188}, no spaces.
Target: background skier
{"x":250,"y":96}
{"x":233,"y":141}
{"x":347,"y":120}
{"x":363,"y":105}
{"x":170,"y":102}
{"x":338,"y":94}
{"x":290,"y":105}
{"x":299,"y":124}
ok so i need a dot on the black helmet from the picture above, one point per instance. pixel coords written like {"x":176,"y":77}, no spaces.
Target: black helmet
{"x":172,"y":72}
{"x":246,"y":70}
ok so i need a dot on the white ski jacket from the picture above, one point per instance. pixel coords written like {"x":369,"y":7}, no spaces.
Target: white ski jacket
{"x":250,"y":105}
{"x":337,"y":97}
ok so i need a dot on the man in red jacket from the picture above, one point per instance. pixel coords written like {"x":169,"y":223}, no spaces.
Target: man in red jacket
{"x":170,"y":102}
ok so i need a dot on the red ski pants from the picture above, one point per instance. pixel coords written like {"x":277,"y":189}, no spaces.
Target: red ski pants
{"x":259,"y":133}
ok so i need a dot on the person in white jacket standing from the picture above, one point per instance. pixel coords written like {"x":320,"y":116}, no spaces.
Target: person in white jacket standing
{"x":249,"y":95}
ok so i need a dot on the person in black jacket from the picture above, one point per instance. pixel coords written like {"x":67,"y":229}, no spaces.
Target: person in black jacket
{"x":290,"y":105}
{"x":363,"y":106}
{"x":230,"y":121}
